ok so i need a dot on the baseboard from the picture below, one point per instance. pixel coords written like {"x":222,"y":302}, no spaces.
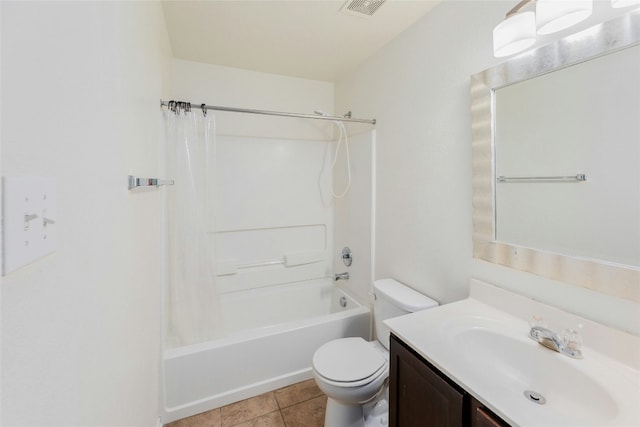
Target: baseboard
{"x":177,"y":413}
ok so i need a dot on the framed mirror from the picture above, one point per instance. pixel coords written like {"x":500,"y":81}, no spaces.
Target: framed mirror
{"x":556,"y":160}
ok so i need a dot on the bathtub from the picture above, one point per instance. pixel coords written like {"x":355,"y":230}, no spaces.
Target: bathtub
{"x":269,"y":338}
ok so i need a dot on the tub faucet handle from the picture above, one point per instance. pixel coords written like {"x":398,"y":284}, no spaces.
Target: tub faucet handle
{"x":347,"y":256}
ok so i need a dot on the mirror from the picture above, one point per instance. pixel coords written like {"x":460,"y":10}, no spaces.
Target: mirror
{"x":556,"y":160}
{"x":568,"y":160}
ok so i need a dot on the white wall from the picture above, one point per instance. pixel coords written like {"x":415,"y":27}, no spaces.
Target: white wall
{"x":233,"y":87}
{"x":81,"y":82}
{"x":417,"y":87}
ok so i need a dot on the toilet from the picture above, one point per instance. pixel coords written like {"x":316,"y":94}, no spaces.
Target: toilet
{"x":353,"y":372}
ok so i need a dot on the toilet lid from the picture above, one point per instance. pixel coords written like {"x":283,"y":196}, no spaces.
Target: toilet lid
{"x":347,"y":360}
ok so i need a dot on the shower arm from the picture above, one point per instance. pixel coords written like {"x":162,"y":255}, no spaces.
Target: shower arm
{"x":204,"y":108}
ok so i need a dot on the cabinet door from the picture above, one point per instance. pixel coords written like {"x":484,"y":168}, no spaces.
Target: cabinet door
{"x":418,"y":396}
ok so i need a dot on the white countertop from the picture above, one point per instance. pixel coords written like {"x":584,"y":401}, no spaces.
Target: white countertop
{"x":486,"y":350}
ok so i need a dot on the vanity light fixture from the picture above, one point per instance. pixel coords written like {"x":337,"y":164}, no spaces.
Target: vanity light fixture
{"x":555,"y":15}
{"x":515,"y":34}
{"x":518,"y":31}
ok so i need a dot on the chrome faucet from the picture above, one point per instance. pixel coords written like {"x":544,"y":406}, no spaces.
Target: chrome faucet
{"x":550,"y":339}
{"x":341,"y":276}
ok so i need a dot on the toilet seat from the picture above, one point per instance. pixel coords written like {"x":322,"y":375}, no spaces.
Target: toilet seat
{"x":349,"y":362}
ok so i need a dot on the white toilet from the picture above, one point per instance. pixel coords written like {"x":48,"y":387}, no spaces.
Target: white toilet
{"x":353,"y":372}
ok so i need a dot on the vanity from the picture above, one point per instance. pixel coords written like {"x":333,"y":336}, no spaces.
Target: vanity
{"x":472,"y":363}
{"x":421,"y":392}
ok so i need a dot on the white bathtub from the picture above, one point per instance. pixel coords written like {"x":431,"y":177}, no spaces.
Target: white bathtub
{"x":270,"y":337}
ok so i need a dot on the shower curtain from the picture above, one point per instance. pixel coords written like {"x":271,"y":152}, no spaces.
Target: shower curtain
{"x":191,"y":300}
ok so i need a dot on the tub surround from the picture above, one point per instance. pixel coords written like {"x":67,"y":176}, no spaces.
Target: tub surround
{"x":470,"y":340}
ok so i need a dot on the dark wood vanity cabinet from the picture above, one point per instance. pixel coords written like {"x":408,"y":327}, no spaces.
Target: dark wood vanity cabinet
{"x":421,"y":396}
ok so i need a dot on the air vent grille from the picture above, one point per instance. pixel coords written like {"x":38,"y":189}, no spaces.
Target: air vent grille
{"x":362,"y":7}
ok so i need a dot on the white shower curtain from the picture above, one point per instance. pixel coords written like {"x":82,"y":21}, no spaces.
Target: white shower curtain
{"x":191,"y":300}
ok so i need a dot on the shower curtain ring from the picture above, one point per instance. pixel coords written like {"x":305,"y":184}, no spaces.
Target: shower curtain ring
{"x":204,"y":110}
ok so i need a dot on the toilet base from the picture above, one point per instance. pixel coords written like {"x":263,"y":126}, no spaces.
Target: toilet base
{"x":374,"y":414}
{"x":340,"y":415}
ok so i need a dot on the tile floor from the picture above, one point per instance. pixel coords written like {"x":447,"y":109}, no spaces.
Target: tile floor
{"x":298,"y":405}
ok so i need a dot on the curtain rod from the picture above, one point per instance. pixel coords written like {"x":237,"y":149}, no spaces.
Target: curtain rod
{"x":204,"y":108}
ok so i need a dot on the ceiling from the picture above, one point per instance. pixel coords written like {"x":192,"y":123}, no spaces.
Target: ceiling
{"x":310,"y":39}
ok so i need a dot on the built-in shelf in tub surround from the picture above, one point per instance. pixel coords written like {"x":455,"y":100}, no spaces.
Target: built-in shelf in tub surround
{"x":482,"y":345}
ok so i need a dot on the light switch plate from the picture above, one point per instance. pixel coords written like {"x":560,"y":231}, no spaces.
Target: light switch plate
{"x":28,"y":220}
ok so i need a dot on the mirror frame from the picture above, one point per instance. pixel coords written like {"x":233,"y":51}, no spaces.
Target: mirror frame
{"x":608,"y":278}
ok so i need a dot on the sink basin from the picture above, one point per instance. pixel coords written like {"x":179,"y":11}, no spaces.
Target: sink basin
{"x":518,"y":364}
{"x":487,"y":351}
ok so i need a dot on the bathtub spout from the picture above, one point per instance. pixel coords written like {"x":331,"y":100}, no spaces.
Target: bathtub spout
{"x":341,"y":276}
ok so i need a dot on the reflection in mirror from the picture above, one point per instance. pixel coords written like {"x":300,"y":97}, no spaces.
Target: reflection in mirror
{"x":545,"y":124}
{"x":581,"y":119}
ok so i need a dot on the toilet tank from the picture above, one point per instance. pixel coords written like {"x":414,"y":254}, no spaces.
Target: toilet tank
{"x":393,"y":299}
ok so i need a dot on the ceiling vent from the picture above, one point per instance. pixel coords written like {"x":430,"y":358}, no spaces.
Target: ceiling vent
{"x":361,"y":8}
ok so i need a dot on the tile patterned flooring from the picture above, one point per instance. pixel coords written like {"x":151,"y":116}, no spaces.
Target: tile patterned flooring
{"x":298,"y":405}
